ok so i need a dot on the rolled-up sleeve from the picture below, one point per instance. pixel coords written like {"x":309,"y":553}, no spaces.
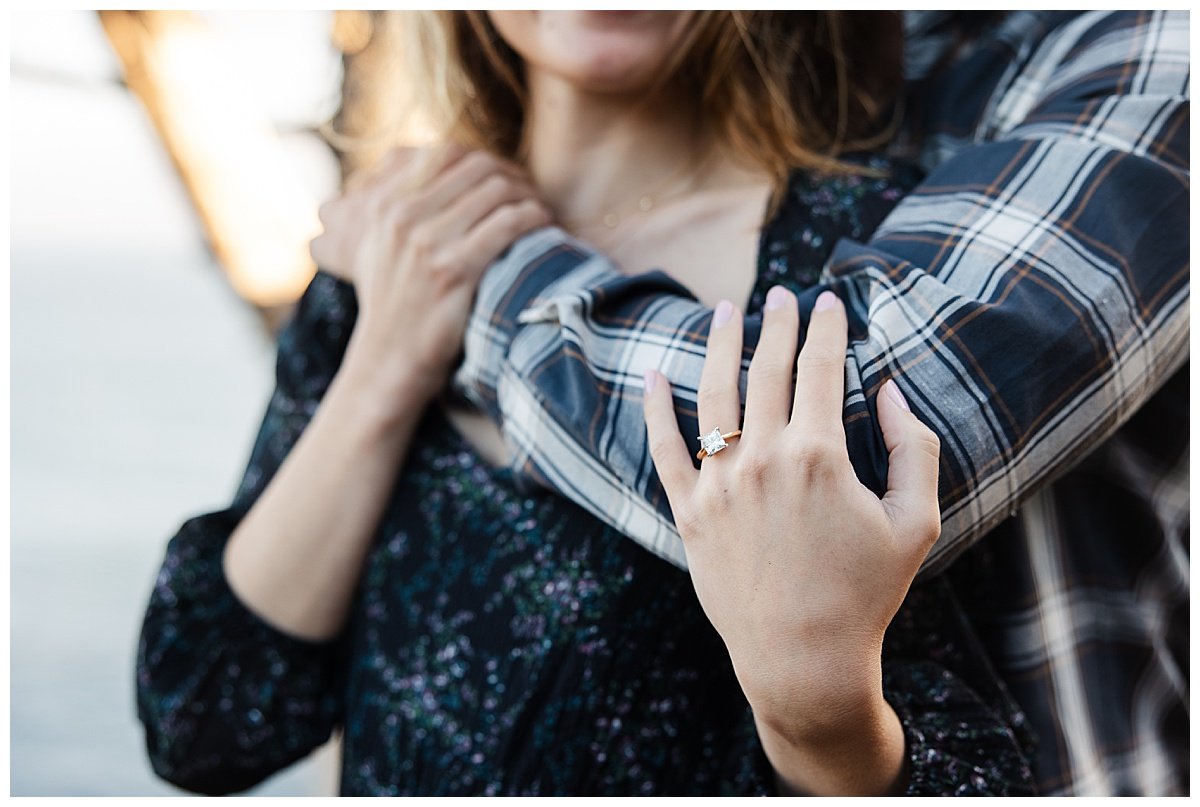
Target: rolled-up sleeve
{"x":1027,"y":297}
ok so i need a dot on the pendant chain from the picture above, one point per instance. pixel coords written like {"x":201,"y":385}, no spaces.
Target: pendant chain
{"x":648,"y":200}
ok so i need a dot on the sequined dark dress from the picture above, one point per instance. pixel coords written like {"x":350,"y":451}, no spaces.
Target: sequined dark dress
{"x":504,"y":641}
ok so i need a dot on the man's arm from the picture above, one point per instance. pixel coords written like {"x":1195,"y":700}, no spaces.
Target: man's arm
{"x":1027,"y":297}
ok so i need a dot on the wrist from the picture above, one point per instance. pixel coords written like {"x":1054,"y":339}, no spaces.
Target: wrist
{"x":859,"y":751}
{"x":386,"y":393}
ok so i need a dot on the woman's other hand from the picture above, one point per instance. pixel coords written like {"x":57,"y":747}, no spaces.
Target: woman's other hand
{"x":798,"y":566}
{"x":414,"y":237}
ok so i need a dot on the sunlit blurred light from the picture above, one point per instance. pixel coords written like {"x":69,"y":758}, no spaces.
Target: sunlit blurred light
{"x":258,"y":214}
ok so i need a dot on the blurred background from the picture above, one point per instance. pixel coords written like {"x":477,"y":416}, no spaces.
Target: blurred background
{"x":166,"y":169}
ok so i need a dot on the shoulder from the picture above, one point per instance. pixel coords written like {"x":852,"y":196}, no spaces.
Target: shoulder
{"x":992,"y":75}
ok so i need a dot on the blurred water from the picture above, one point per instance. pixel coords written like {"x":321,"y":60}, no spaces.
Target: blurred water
{"x":138,"y":379}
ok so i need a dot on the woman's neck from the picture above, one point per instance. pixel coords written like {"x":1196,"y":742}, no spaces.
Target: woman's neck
{"x":590,"y":154}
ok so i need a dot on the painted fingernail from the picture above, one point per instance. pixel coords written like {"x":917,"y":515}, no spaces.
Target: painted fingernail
{"x":825,"y":301}
{"x":776,"y":297}
{"x":893,"y":390}
{"x":722,"y":314}
{"x":649,"y":379}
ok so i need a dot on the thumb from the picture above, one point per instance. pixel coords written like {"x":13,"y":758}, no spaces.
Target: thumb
{"x":911,"y":500}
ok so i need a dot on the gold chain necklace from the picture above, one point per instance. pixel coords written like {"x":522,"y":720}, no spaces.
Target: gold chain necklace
{"x":648,"y":200}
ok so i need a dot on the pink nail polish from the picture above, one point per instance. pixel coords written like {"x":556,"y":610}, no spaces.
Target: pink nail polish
{"x":722,"y":314}
{"x":776,"y":297}
{"x":893,"y":389}
{"x":825,"y":301}
{"x":649,"y":379}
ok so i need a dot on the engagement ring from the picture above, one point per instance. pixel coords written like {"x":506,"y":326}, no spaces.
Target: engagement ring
{"x":714,"y":441}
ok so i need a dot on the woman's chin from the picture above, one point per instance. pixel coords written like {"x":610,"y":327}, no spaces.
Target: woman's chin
{"x":611,"y":77}
{"x":603,"y":52}
{"x":610,"y":65}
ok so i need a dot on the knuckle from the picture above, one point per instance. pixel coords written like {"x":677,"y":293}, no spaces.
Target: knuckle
{"x":510,"y":220}
{"x":687,"y":520}
{"x":711,"y":398}
{"x":528,"y":206}
{"x":815,"y":456}
{"x":930,"y":436}
{"x":398,"y":214}
{"x":448,"y":266}
{"x":660,"y":447}
{"x":771,"y":371}
{"x":755,"y":468}
{"x":494,"y":187}
{"x":930,"y":528}
{"x":928,"y":441}
{"x":810,"y":361}
{"x":530,"y":213}
{"x":478,"y":160}
{"x":421,"y":241}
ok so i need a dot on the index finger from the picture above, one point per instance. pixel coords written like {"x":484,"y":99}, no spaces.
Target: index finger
{"x":667,"y":447}
{"x":821,"y":366}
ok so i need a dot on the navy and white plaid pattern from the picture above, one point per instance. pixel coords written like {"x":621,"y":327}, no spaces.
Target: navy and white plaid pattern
{"x":1029,"y":297}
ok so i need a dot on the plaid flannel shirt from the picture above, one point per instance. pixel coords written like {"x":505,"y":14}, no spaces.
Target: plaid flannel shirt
{"x":1029,"y":297}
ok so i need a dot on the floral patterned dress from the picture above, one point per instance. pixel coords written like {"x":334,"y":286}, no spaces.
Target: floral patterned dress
{"x":504,"y":641}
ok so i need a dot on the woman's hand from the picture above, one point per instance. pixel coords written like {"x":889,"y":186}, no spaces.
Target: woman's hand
{"x":414,"y":238}
{"x":798,"y":566}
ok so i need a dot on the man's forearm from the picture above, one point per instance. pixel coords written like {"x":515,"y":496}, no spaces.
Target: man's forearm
{"x":1029,"y":296}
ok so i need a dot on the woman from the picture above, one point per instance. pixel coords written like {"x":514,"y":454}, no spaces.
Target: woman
{"x":472,"y":636}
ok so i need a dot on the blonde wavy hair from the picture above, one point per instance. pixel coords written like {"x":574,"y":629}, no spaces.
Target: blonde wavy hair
{"x":784,"y":89}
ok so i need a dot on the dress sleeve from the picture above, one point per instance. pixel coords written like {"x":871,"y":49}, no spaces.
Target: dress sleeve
{"x":225,"y":698}
{"x":1028,"y":296}
{"x":955,"y":743}
{"x":964,"y":734}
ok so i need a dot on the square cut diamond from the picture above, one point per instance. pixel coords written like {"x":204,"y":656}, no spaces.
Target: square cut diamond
{"x":713,"y":442}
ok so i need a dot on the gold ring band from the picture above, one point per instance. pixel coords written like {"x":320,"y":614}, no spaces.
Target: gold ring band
{"x":715,"y":441}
